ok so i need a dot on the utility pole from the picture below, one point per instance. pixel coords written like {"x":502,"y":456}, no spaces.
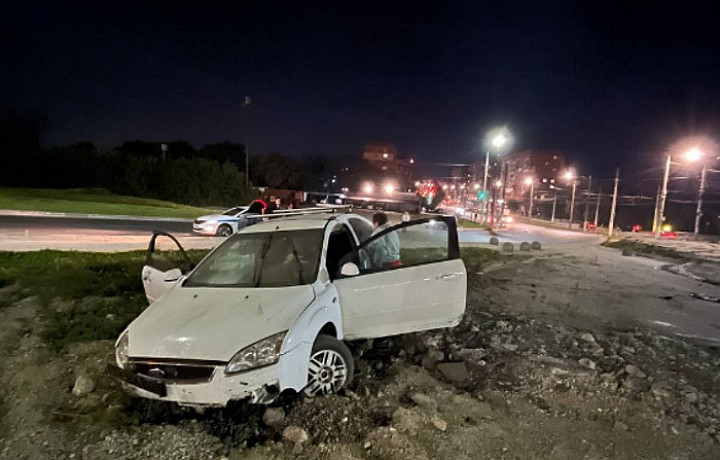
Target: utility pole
{"x":698,"y":212}
{"x":657,"y":210}
{"x":663,"y":198}
{"x":552,"y":216}
{"x":485,"y":181}
{"x":587,"y":204}
{"x":614,"y":204}
{"x":532,"y":192}
{"x":572,"y":203}
{"x":248,"y":105}
{"x":597,"y":207}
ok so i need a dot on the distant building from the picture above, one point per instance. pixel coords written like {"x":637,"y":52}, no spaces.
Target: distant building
{"x":544,"y":166}
{"x":384,"y":165}
{"x":380,"y":153}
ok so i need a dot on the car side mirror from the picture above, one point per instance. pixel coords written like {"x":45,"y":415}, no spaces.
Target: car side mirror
{"x":173,"y":275}
{"x":349,"y":269}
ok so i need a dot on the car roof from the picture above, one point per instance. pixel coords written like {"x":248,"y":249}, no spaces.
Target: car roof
{"x":307,"y":222}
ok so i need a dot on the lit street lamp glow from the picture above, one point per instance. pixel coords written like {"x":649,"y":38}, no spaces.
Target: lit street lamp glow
{"x":389,"y":188}
{"x":569,"y":175}
{"x":498,"y":184}
{"x":499,"y":140}
{"x":529,"y":181}
{"x":368,"y":188}
{"x":694,"y":154}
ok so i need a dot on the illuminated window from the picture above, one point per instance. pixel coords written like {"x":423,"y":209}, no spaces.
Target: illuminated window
{"x":554,"y":157}
{"x":552,"y":181}
{"x":544,"y":181}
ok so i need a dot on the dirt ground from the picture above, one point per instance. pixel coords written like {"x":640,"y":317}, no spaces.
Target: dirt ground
{"x":576,"y":354}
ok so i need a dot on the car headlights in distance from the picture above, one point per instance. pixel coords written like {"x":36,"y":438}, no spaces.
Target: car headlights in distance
{"x":121,"y":350}
{"x":260,"y":354}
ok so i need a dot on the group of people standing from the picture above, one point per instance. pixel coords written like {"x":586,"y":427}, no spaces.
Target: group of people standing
{"x":269,"y":204}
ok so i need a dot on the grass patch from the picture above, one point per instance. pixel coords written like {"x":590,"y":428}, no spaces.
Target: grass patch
{"x":476,"y":258}
{"x":85,"y":296}
{"x":92,"y":201}
{"x":467,"y":223}
{"x":648,"y":249}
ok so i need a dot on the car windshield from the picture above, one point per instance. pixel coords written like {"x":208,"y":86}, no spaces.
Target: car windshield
{"x":274,"y":259}
{"x":234,"y":211}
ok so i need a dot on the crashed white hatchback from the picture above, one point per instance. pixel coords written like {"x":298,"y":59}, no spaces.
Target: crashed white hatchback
{"x":268,"y":310}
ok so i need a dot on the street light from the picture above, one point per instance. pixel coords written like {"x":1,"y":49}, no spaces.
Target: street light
{"x":692,"y":149}
{"x":497,"y":139}
{"x":570,"y":176}
{"x":531,"y":182}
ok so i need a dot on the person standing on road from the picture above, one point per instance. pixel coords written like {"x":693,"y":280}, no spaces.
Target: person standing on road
{"x":385,"y":251}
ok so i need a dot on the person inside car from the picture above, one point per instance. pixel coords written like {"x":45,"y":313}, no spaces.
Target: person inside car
{"x":385,"y":251}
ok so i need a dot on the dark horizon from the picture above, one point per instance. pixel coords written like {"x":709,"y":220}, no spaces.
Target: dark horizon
{"x":609,"y":83}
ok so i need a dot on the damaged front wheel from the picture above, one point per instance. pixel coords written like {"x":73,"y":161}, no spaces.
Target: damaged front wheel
{"x":330,"y":368}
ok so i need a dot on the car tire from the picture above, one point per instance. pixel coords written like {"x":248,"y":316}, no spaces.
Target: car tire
{"x":330,"y":368}
{"x":224,"y":230}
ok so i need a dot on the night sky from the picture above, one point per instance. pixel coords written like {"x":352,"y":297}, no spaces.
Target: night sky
{"x":610,"y":83}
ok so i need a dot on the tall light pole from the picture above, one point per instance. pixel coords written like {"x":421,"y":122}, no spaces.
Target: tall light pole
{"x":570,"y":176}
{"x":497,"y":141}
{"x":663,"y":197}
{"x":531,"y":182}
{"x":692,"y":155}
{"x":611,"y":223}
{"x":552,"y":215}
{"x":587,"y":204}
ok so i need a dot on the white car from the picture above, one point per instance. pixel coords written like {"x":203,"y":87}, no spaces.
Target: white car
{"x":225,"y":224}
{"x":269,"y":309}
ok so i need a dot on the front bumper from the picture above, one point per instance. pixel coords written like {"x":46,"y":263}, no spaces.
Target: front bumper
{"x":256,"y":386}
{"x":205,"y":228}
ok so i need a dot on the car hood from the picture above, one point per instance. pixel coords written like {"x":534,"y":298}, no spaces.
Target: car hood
{"x":214,"y":323}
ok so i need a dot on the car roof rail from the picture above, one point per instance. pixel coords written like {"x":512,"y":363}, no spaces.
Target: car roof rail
{"x":325,"y":209}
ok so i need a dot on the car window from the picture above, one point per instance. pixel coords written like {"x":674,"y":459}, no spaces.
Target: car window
{"x":233,"y":211}
{"x":261,"y":260}
{"x":340,"y":247}
{"x":166,"y":255}
{"x":406,"y":246}
{"x":363,"y":229}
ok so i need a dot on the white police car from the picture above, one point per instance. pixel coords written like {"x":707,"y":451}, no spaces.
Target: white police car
{"x":225,"y":224}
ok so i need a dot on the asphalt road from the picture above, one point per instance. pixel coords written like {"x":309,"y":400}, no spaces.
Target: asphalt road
{"x":27,"y":233}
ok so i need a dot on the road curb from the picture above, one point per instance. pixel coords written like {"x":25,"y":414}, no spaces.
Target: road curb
{"x":77,"y":215}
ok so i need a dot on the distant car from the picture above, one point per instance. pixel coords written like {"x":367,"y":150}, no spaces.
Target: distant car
{"x":225,"y":224}
{"x":590,"y":226}
{"x":636,"y":228}
{"x":668,"y":234}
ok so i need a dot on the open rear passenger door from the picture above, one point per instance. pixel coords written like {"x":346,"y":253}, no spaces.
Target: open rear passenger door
{"x":165,"y":265}
{"x":425,"y":289}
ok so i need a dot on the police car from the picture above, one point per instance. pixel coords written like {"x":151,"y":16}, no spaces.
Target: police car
{"x":225,"y":224}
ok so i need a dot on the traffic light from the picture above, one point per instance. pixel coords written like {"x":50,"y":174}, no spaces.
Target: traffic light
{"x":481,"y":195}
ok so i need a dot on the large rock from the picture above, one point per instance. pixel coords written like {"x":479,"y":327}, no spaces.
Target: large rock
{"x":587,"y":363}
{"x":423,"y":401}
{"x":456,"y":373}
{"x":83,"y":385}
{"x":274,"y":417}
{"x":636,"y":384}
{"x":295,"y":434}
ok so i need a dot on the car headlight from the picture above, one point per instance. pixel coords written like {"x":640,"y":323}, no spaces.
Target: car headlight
{"x":121,"y":350}
{"x":259,"y":354}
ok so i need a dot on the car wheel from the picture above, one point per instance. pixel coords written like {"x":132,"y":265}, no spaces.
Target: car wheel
{"x":224,"y":230}
{"x":330,"y":368}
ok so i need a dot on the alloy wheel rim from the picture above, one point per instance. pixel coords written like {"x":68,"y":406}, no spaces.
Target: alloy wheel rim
{"x":327,"y":373}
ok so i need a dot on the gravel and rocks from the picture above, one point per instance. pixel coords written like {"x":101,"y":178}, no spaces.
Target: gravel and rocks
{"x":505,"y":383}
